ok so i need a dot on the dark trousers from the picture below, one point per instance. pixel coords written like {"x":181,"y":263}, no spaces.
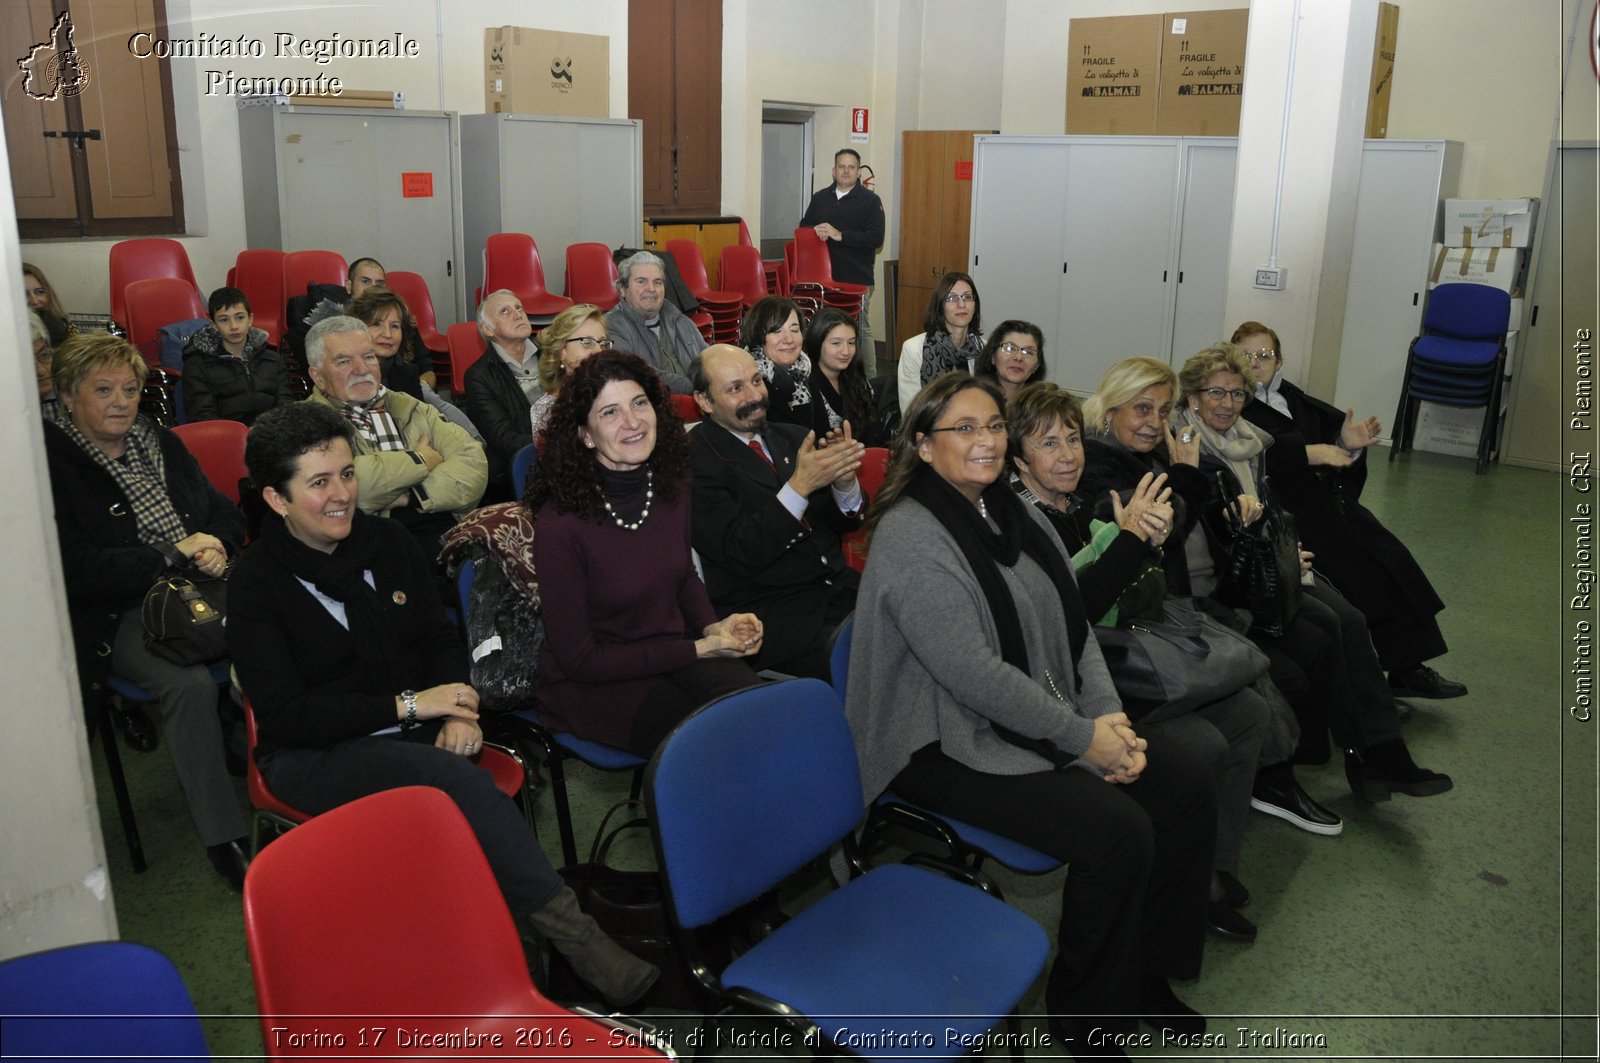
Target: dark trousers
{"x":316,"y":780}
{"x":1139,"y":861}
{"x":813,"y":659}
{"x":682,"y":692}
{"x":1326,"y":666}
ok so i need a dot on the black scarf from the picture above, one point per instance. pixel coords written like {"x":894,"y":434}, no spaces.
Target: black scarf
{"x":340,"y":576}
{"x":985,"y":551}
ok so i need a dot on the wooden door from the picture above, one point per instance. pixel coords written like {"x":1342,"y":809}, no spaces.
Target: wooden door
{"x":675,"y":89}
{"x":935,"y":214}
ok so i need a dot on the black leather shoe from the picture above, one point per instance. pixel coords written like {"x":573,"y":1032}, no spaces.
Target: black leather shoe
{"x":1160,"y":1007}
{"x":1392,"y":761}
{"x":231,"y":859}
{"x":1287,"y":801}
{"x":1367,"y":782}
{"x":1234,"y":895}
{"x":138,"y":730}
{"x":1228,"y":924}
{"x":1424,"y":682}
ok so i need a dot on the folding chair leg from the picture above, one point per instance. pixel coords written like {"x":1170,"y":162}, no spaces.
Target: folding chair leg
{"x":558,"y":787}
{"x":119,"y":787}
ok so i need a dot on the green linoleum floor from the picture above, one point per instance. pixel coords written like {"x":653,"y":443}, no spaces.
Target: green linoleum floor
{"x":1385,"y":941}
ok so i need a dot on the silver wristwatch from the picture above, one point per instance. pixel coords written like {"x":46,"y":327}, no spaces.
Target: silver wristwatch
{"x":410,"y":699}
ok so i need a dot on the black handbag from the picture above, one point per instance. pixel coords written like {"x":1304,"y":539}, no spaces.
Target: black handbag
{"x":631,"y":907}
{"x":185,"y":618}
{"x":1165,"y":668}
{"x":1262,"y":573}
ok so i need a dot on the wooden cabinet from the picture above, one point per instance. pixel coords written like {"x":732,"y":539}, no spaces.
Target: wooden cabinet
{"x":675,"y":89}
{"x":1111,"y":245}
{"x":935,"y":217}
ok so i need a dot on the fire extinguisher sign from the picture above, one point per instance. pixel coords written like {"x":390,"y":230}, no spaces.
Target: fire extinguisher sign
{"x":858,"y":125}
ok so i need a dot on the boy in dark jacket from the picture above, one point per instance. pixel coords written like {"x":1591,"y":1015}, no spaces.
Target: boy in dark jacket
{"x":230,"y":371}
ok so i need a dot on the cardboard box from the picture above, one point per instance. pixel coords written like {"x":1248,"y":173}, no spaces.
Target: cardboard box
{"x":1383,"y":49}
{"x":1490,"y":222}
{"x":533,"y":71}
{"x":1202,"y":73}
{"x":1113,"y":74}
{"x":1452,"y":430}
{"x":1500,"y":267}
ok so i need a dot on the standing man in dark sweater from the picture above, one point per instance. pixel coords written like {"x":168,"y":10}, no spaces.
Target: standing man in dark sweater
{"x":849,"y":217}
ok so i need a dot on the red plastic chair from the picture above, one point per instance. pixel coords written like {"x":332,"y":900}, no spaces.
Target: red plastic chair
{"x":687,"y":409}
{"x":133,"y":260}
{"x":332,"y":955}
{"x":413,"y":288}
{"x":724,"y":308}
{"x":156,"y":301}
{"x":511,"y":261}
{"x":777,"y":283}
{"x":740,"y":270}
{"x":466,"y":345}
{"x":219,"y":448}
{"x":509,"y":772}
{"x":874,"y":464}
{"x":302,"y":268}
{"x":812,"y":265}
{"x":259,"y":274}
{"x":592,"y":275}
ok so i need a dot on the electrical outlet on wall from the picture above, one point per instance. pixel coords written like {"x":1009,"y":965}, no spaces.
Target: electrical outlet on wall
{"x":1272,"y":278}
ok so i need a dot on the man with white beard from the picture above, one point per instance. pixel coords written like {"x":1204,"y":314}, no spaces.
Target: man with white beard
{"x":412,"y":465}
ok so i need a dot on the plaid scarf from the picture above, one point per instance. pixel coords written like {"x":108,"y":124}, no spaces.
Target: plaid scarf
{"x":373,"y":421}
{"x":142,"y":477}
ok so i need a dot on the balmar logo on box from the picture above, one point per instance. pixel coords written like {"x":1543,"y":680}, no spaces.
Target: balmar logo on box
{"x":52,"y":68}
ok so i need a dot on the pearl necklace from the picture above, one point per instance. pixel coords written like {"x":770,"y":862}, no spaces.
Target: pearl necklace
{"x":983,"y":510}
{"x":649,"y":493}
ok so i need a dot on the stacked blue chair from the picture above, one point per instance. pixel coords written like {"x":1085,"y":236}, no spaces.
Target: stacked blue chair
{"x":756,"y":786}
{"x":965,"y":846}
{"x":1458,"y":360}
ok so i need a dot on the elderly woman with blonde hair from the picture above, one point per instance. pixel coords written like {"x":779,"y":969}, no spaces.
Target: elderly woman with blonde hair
{"x":575,"y":334}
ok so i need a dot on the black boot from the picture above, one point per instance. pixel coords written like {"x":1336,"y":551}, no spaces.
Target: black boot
{"x":620,"y":976}
{"x":138,"y":730}
{"x":1160,"y":1007}
{"x":231,"y":859}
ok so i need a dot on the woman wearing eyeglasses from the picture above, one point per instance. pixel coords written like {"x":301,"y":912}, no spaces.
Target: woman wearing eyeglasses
{"x":1349,"y":681}
{"x":976,"y":691}
{"x":1318,"y":468}
{"x":575,"y":334}
{"x":1014,"y":356}
{"x":950,"y":338}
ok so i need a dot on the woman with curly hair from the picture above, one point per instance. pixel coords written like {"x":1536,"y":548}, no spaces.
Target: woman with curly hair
{"x":632,"y":643}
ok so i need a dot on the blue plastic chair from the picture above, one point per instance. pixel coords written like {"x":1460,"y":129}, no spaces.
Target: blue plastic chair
{"x":521,"y":462}
{"x":966,"y":847}
{"x":554,"y":746}
{"x":757,"y":785}
{"x":1458,"y":360}
{"x":105,"y":1000}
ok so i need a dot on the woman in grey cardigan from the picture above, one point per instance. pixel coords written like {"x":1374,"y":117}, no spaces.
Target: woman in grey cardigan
{"x":976,"y":691}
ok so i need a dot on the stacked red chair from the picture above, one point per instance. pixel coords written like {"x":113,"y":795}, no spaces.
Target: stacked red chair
{"x":813,"y":266}
{"x":741,"y":271}
{"x":141,"y":259}
{"x":258,"y":272}
{"x":511,"y":261}
{"x":725,"y":308}
{"x":592,"y":275}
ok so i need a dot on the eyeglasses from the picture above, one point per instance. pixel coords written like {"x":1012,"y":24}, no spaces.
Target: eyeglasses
{"x":1266,"y":354}
{"x":968,"y":431}
{"x":589,"y":343}
{"x":960,"y":297}
{"x":1011,"y":348}
{"x":44,"y":353}
{"x":1218,"y":394}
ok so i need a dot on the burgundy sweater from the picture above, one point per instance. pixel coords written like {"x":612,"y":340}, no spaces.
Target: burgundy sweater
{"x":622,"y":609}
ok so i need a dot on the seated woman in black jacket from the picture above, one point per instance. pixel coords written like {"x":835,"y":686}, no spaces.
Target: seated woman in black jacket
{"x":358,"y":680}
{"x":1318,"y":466}
{"x":230,"y":371}
{"x":1320,"y":670}
{"x":131,"y":507}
